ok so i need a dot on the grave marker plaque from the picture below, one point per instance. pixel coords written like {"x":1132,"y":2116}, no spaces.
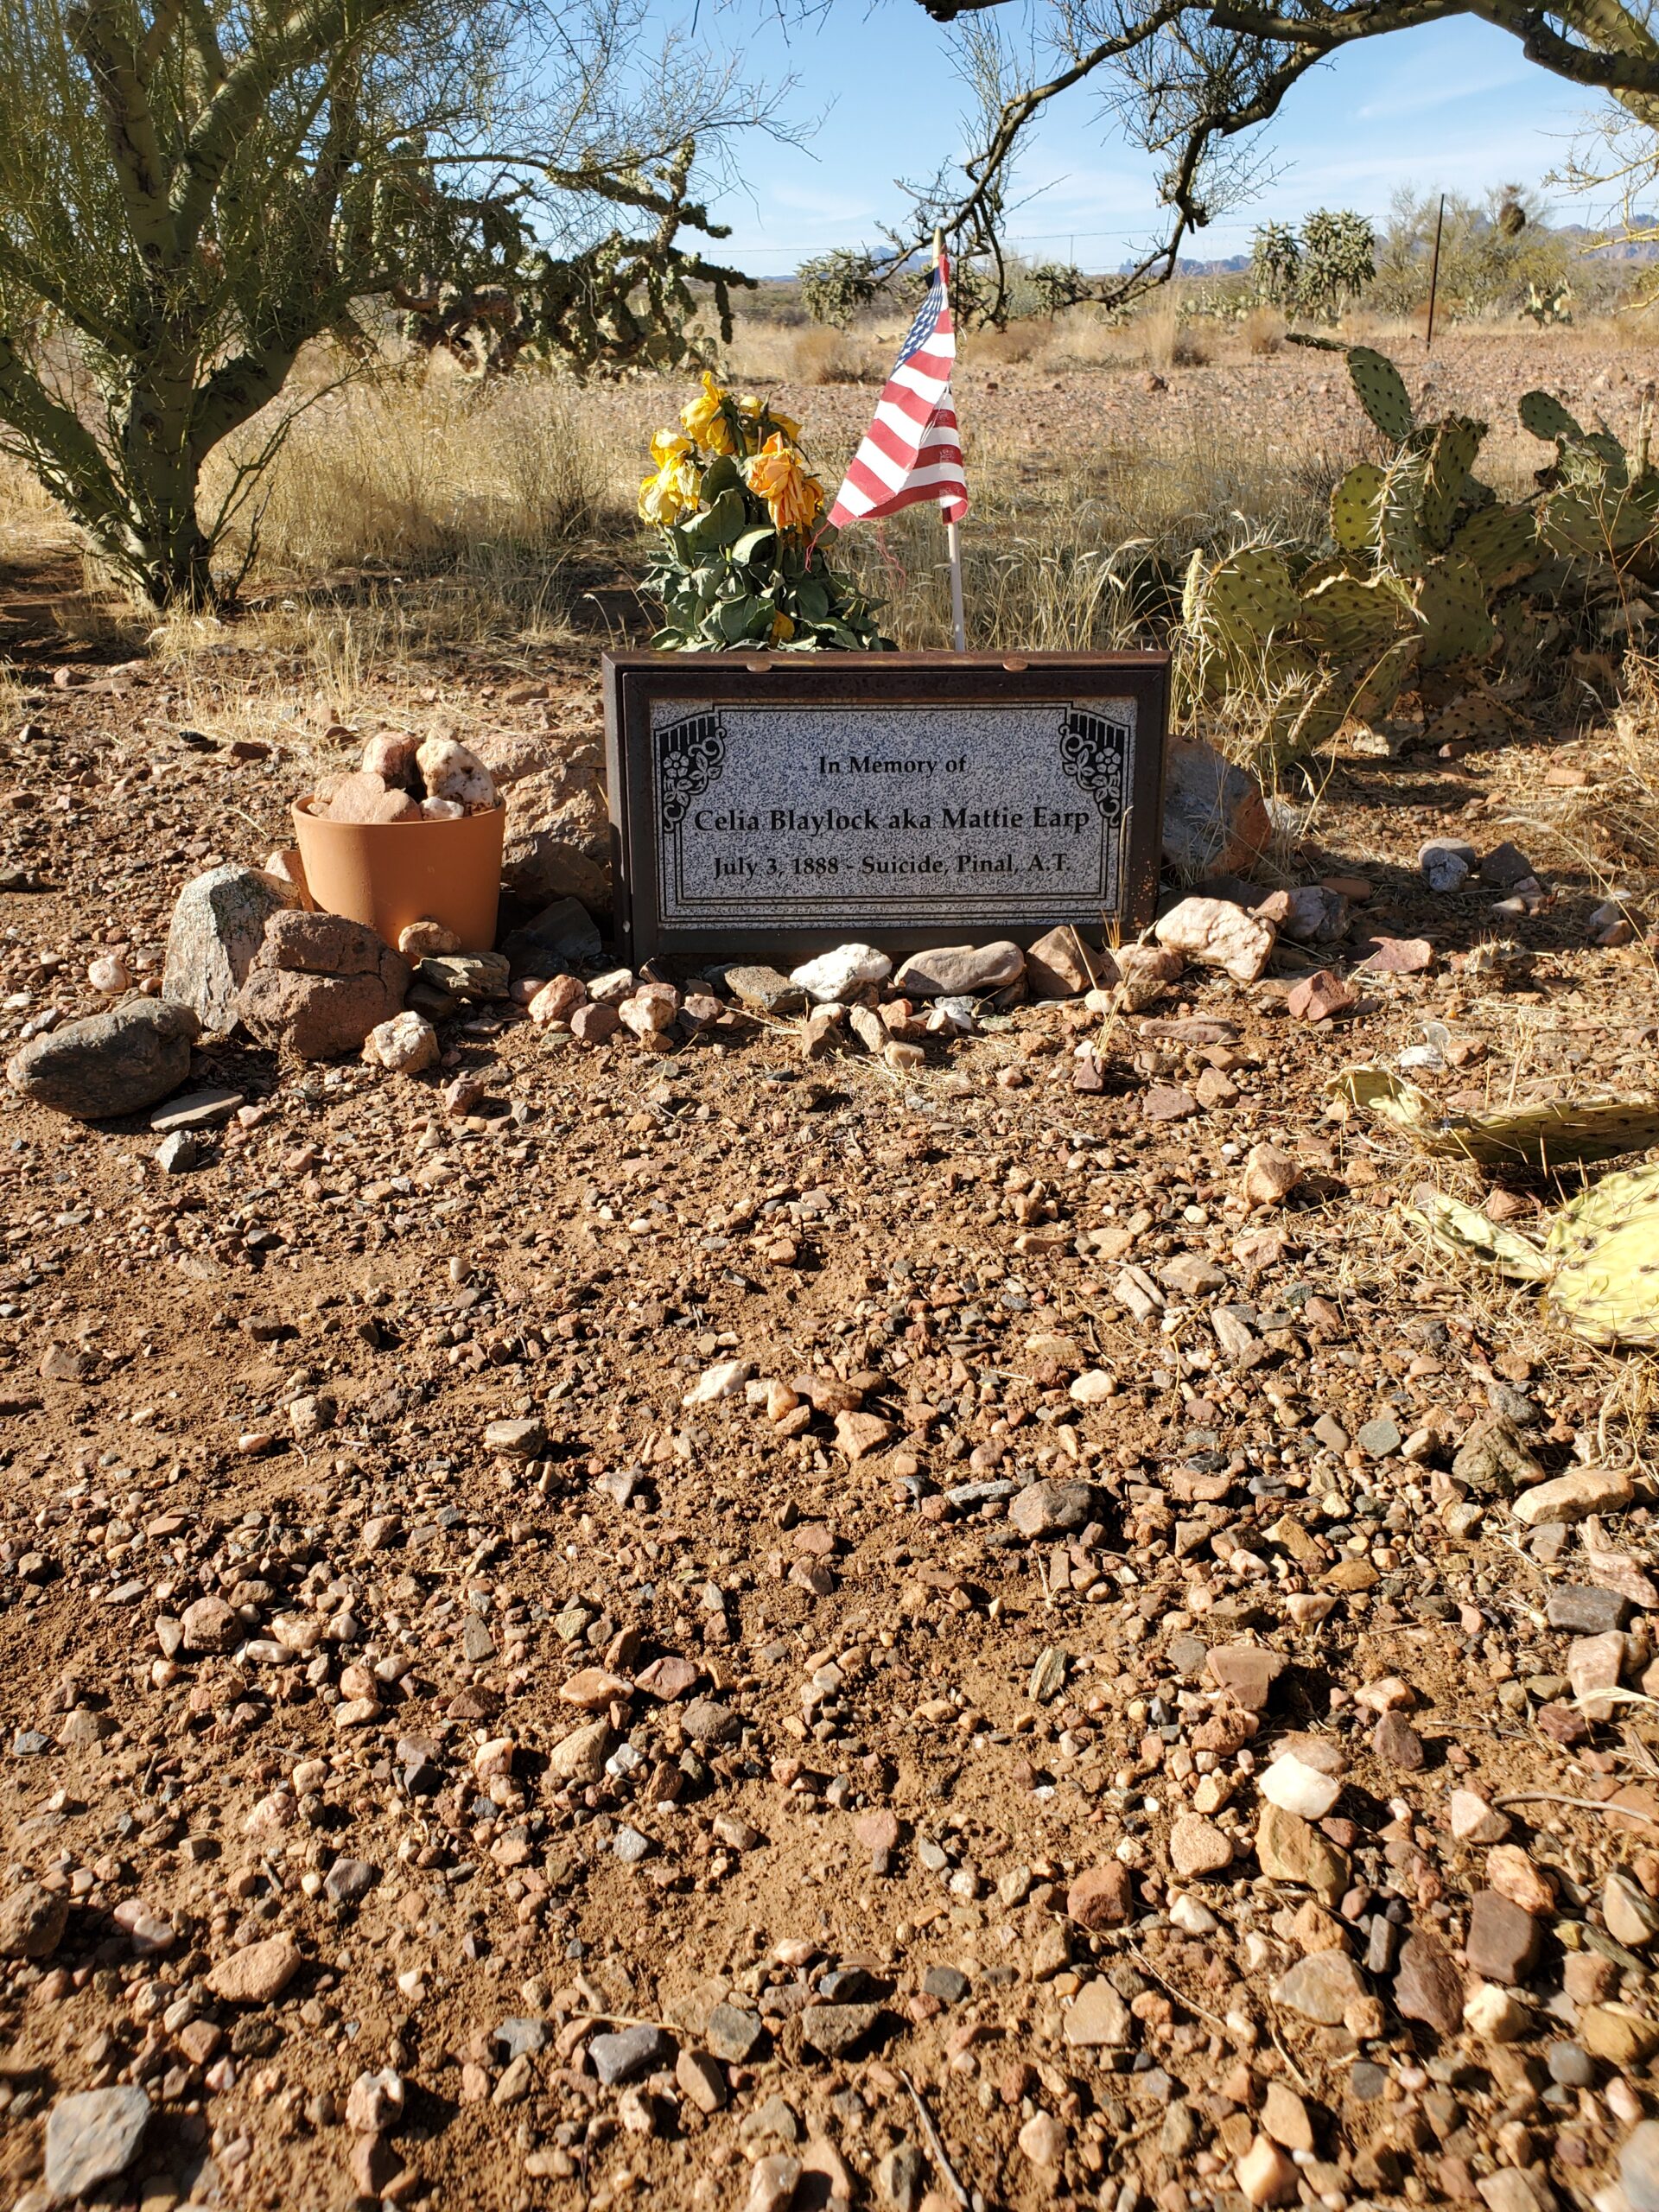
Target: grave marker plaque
{"x":769,"y":807}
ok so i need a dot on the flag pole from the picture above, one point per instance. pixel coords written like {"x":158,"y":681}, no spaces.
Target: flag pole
{"x":952,"y":534}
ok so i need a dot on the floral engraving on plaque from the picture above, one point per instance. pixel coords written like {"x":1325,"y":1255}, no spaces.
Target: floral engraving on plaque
{"x":1095,"y":754}
{"x":690,"y":755}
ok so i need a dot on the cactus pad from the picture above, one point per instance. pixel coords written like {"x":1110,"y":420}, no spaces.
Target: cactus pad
{"x":1400,"y":540}
{"x":1605,"y":1247}
{"x":1544,"y":417}
{"x":1555,"y":1134}
{"x":1502,"y":542}
{"x":1375,"y":688}
{"x":1353,"y":507}
{"x":1349,"y":618}
{"x":1381,"y":391}
{"x":1451,"y":456}
{"x":1248,"y":597}
{"x":1474,"y":719}
{"x":1452,"y":601}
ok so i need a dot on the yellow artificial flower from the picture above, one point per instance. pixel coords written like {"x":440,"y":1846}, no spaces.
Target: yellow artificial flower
{"x":704,"y":418}
{"x":669,"y":445}
{"x":750,"y":404}
{"x":782,"y":629}
{"x":779,"y":476}
{"x":672,"y":492}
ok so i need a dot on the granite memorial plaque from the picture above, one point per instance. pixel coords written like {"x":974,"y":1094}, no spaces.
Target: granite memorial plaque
{"x":774,"y":806}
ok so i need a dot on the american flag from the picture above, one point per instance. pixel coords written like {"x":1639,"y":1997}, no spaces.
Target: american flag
{"x":912,"y":450}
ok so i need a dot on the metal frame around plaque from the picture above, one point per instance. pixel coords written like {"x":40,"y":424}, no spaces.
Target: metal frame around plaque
{"x":688,"y":738}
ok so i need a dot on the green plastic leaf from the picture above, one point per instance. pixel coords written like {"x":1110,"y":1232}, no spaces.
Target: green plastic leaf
{"x":751,"y":542}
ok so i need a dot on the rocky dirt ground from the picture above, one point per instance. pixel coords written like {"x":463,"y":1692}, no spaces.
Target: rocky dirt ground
{"x":1152,"y":1760}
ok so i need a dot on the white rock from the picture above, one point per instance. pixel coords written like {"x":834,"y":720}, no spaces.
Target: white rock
{"x":1295,"y":1786}
{"x":449,"y":771}
{"x":405,"y":1044}
{"x":833,"y":976}
{"x":1217,"y":934}
{"x":1496,"y":2015}
{"x":725,"y":1381}
{"x":108,"y":975}
{"x":1473,"y":1821}
{"x":612,"y":987}
{"x":1093,"y":1387}
{"x":1194,"y":1918}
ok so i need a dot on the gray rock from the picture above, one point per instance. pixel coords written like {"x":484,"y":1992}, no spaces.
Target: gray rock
{"x":949,"y":1984}
{"x":1585,"y":1610}
{"x":515,"y":1440}
{"x":628,"y":2053}
{"x":561,"y":933}
{"x":1446,"y":864}
{"x":93,"y":2137}
{"x":473,"y":977}
{"x":219,"y":924}
{"x":833,"y":2030}
{"x":1049,"y":1509}
{"x":197,"y":1109}
{"x":349,"y":1879}
{"x":989,"y":1492}
{"x":734,"y":2035}
{"x":630,"y":1846}
{"x":541,"y":867}
{"x":1638,"y":2166}
{"x":178,"y":1154}
{"x":965,"y":970}
{"x":764,"y":989}
{"x":1492,"y":1457}
{"x":32,"y":1922}
{"x":110,"y":1064}
{"x":1571,"y":2065}
{"x":1381,"y":1438}
{"x":1320,"y":1986}
{"x":901,"y":2177}
{"x":519,"y":2037}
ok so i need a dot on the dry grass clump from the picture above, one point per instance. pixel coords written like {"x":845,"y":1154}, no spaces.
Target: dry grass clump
{"x":425,"y":471}
{"x":1608,"y":826}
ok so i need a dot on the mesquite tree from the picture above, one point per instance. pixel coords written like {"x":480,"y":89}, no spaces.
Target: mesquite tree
{"x":1194,"y":79}
{"x":191,"y":190}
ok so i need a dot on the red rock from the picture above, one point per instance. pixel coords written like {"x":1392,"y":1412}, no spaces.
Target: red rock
{"x":593,"y":1025}
{"x":1399,"y":955}
{"x":1164,"y":1102}
{"x":1319,"y":997}
{"x":1101,"y":1897}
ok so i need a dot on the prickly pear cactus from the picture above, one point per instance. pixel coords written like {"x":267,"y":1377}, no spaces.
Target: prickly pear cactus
{"x":1251,"y":595}
{"x":1605,"y":1246}
{"x":1450,"y":457}
{"x":1544,"y":416}
{"x":1347,"y":617}
{"x":1500,"y":541}
{"x":1381,"y":391}
{"x":1353,"y":507}
{"x":1452,"y":602}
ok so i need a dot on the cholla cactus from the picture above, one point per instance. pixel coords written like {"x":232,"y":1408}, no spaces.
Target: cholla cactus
{"x":1339,"y":261}
{"x":1275,"y":264}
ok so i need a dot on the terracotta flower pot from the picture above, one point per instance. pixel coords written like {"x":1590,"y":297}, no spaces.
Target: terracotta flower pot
{"x":392,"y":873}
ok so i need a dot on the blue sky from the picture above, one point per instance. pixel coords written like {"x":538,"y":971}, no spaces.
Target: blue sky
{"x":1453,"y":107}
